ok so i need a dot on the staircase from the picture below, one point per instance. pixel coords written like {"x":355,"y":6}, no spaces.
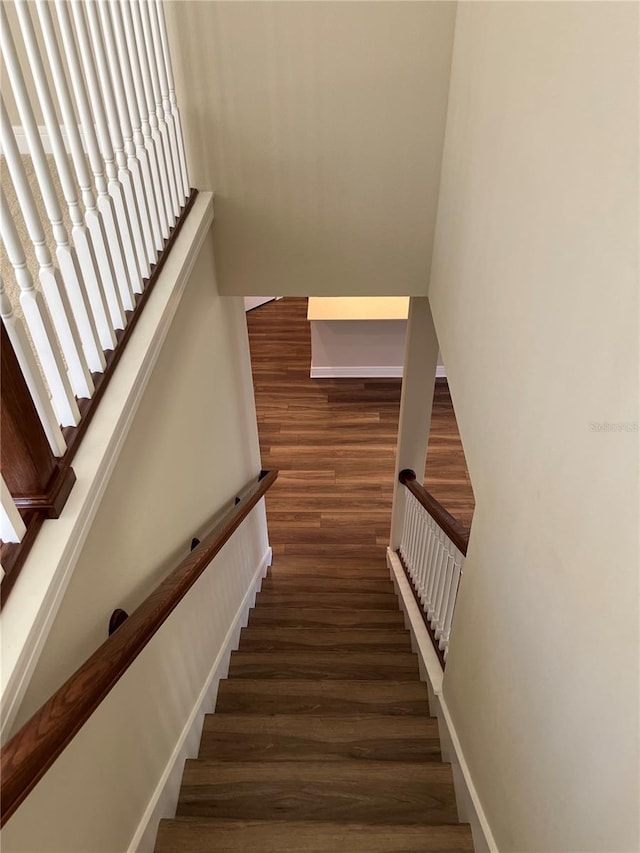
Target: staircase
{"x":322,"y":739}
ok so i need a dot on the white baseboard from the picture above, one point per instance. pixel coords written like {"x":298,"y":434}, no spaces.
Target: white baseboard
{"x":351,"y":372}
{"x":165,"y":798}
{"x":367,"y":372}
{"x":469,"y":806}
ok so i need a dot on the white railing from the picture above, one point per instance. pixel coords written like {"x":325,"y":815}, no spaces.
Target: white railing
{"x":12,"y":527}
{"x":107,"y":166}
{"x":432,"y":560}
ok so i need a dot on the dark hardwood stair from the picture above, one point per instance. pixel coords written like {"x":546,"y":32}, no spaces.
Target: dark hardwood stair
{"x":299,"y":737}
{"x":261,"y":638}
{"x":270,"y":836}
{"x":286,"y":597}
{"x":321,"y":617}
{"x":286,"y":696}
{"x":322,"y":739}
{"x":373,"y":791}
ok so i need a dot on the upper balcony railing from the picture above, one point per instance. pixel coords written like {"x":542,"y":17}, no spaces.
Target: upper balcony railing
{"x":94,"y":188}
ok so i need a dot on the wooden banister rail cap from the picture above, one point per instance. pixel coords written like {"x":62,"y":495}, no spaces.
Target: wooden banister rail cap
{"x":458,"y":534}
{"x":33,"y":749}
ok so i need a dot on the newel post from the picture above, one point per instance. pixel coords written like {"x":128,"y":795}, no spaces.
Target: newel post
{"x":36,"y":480}
{"x":418,"y":381}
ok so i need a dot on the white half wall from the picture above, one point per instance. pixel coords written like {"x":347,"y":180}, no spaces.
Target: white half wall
{"x":360,"y":349}
{"x":190,"y":446}
{"x":121,"y":774}
{"x":357,"y":347}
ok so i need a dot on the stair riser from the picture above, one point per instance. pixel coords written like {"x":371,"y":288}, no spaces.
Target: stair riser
{"x":412,"y":803}
{"x":196,"y":836}
{"x":328,"y":738}
{"x":311,"y":617}
{"x":266,"y":639}
{"x":337,"y":601}
{"x":316,"y":665}
{"x":355,"y":586}
{"x":340,"y":571}
{"x":222,"y":747}
{"x":241,"y":696}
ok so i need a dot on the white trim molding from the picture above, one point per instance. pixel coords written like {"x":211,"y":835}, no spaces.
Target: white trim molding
{"x":38,"y":592}
{"x":394,"y":371}
{"x":165,"y":798}
{"x":351,"y":372}
{"x":470,"y":808}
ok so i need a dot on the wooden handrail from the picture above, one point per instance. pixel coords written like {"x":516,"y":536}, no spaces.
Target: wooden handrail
{"x":34,"y":748}
{"x":458,"y":534}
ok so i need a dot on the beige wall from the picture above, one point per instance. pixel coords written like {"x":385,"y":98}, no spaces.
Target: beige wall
{"x":534,"y":296}
{"x":319,"y":126}
{"x":192,"y":446}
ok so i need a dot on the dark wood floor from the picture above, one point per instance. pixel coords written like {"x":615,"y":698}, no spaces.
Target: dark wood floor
{"x":446,"y":475}
{"x":334,"y":442}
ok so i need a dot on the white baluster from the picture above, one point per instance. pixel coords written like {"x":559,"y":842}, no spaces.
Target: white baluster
{"x":131,"y":90}
{"x":404,"y":551}
{"x":169,"y":120}
{"x":77,"y":296}
{"x":143,"y":110}
{"x":416,"y":540}
{"x":37,"y":317}
{"x":12,"y":527}
{"x":435,"y":572}
{"x":123,"y":254}
{"x":451,"y":602}
{"x":139,"y":37}
{"x":441,"y":572}
{"x":186,"y":186}
{"x":411,"y":549}
{"x":426,"y":539}
{"x":32,"y":376}
{"x":429,"y":560}
{"x":405,"y":525}
{"x":133,"y":163}
{"x":55,"y":294}
{"x":106,"y":242}
{"x":83,"y":236}
{"x":142,"y":31}
{"x":445,"y":586}
{"x":125,"y":177}
{"x":422,"y":546}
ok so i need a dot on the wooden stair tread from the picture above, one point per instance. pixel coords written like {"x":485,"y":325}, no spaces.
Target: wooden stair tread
{"x":332,"y":600}
{"x":295,"y":615}
{"x":351,"y":791}
{"x":401,"y":666}
{"x":320,"y":568}
{"x":337,"y":639}
{"x":280,"y":737}
{"x":319,"y":583}
{"x":270,"y":696}
{"x":201,"y":835}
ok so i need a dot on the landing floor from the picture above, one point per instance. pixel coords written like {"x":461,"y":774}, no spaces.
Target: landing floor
{"x":334,"y":442}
